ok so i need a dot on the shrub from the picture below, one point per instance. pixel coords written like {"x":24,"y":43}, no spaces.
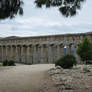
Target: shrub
{"x":84,"y":50}
{"x":8,"y":63}
{"x":5,"y":63}
{"x":29,"y":63}
{"x":89,"y":62}
{"x":66,"y":61}
{"x":11,"y":63}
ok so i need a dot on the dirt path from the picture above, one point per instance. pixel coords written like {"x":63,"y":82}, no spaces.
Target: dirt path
{"x":24,"y":78}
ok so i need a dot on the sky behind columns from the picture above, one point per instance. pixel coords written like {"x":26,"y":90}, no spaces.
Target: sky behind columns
{"x":36,"y":21}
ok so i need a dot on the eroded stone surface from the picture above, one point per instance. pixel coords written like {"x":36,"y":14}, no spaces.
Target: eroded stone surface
{"x":77,"y":79}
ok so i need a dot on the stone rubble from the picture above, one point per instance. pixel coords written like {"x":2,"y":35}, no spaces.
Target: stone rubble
{"x":77,"y":79}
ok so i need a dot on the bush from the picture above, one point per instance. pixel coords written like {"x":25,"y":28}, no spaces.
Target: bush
{"x":11,"y":63}
{"x":89,"y":62}
{"x":66,"y":61}
{"x":5,"y":63}
{"x":8,"y":63}
{"x":84,"y":50}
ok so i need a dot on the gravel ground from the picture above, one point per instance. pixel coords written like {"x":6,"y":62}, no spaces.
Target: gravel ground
{"x":25,"y":78}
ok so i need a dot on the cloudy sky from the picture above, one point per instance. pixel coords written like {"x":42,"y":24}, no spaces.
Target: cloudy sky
{"x":44,"y":21}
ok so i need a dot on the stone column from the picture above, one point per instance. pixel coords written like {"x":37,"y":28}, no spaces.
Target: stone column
{"x":52,"y":46}
{"x":11,"y":52}
{"x":25,"y":54}
{"x":62,"y":50}
{"x":46,"y":49}
{"x":34,"y":54}
{"x":0,"y":53}
{"x":31,"y":54}
{"x":28,"y":55}
{"x":50,"y":55}
{"x":22,"y":54}
{"x":55,"y":52}
{"x":39,"y":53}
{"x":14,"y":53}
{"x":17,"y":54}
{"x":42,"y":55}
{"x":58,"y":51}
{"x":6,"y":53}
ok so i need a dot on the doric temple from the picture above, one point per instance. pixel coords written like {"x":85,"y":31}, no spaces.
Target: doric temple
{"x":40,"y":49}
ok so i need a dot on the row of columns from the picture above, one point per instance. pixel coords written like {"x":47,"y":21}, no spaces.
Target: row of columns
{"x":39,"y":53}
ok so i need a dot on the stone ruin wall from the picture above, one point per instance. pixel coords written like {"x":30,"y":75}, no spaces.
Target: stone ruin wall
{"x":40,"y":49}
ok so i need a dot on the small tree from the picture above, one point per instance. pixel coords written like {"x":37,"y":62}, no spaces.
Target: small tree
{"x":84,"y":50}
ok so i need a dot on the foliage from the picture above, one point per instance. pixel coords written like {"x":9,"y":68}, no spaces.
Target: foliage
{"x":28,"y":63}
{"x":66,"y":7}
{"x":66,"y":61}
{"x":5,"y":63}
{"x":89,"y":62}
{"x":10,"y":8}
{"x":8,"y":63}
{"x":84,"y":50}
{"x":0,"y":64}
{"x":11,"y":63}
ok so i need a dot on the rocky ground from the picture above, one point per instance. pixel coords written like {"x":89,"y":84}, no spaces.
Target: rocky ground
{"x":45,"y":78}
{"x":77,"y":79}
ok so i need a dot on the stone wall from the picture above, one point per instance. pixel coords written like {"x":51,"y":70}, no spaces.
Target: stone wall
{"x":40,"y":49}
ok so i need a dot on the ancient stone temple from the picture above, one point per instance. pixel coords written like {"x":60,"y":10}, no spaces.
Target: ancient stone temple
{"x":40,"y":49}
